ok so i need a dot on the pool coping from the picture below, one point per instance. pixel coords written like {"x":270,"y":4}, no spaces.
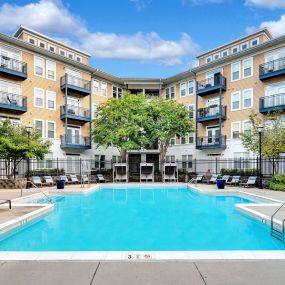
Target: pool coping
{"x":143,"y":255}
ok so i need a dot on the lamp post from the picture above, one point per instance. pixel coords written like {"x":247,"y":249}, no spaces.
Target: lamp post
{"x":28,"y":130}
{"x":260,"y":130}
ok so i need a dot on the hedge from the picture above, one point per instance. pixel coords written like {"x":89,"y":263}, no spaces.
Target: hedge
{"x":277,"y":182}
{"x":237,"y":171}
{"x":47,"y":172}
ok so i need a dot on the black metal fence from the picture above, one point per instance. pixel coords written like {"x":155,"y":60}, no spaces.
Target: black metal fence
{"x":186,"y":169}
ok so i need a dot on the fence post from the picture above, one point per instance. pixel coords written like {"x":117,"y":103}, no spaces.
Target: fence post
{"x":57,"y":166}
{"x":273,"y":166}
{"x":80,"y":169}
{"x":195,"y":161}
{"x":216,"y":165}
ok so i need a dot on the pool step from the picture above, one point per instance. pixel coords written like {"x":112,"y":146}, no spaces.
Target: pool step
{"x":277,"y":234}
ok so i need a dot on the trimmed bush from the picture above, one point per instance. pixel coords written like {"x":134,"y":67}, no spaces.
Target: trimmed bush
{"x":277,"y":182}
{"x":237,"y":171}
{"x":47,"y":172}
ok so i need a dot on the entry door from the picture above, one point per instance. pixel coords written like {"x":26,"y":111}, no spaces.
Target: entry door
{"x":73,"y":164}
{"x":74,"y":105}
{"x":213,"y":135}
{"x":73,"y":135}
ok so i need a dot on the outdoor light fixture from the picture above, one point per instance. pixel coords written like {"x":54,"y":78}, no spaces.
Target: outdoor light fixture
{"x":260,"y":130}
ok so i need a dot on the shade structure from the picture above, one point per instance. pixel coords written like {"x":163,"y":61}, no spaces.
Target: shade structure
{"x":120,"y":172}
{"x":146,"y":172}
{"x":170,"y":172}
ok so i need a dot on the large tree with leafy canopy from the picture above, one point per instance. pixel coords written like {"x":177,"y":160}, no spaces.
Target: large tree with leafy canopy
{"x":121,"y":123}
{"x":169,"y":119}
{"x":273,"y":137}
{"x":14,"y":146}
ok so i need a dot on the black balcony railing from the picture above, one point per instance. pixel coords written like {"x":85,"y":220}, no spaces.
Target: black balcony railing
{"x":75,"y":112}
{"x":211,"y":113}
{"x":211,"y":85}
{"x":74,"y":141}
{"x":13,"y":67}
{"x":76,"y":84}
{"x":272,"y":103}
{"x":272,"y":68}
{"x":211,"y":142}
{"x":14,"y":102}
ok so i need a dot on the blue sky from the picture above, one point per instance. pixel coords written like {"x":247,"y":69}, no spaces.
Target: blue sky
{"x":144,"y":38}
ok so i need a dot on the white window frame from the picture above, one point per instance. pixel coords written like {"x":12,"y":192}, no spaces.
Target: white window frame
{"x":232,"y":94}
{"x":93,"y":87}
{"x":239,"y":129}
{"x":185,"y":89}
{"x":255,"y":39}
{"x":235,"y":47}
{"x":32,"y":39}
{"x":43,"y":97}
{"x":60,"y":50}
{"x":208,"y":57}
{"x":193,"y":82}
{"x":53,"y":63}
{"x":49,"y":46}
{"x":188,"y":107}
{"x":225,"y":51}
{"x":170,"y":97}
{"x":243,"y":125}
{"x":251,"y":67}
{"x":54,"y":124}
{"x":234,"y":63}
{"x":72,"y":55}
{"x":245,"y":43}
{"x":78,"y":57}
{"x":43,"y":65}
{"x":41,"y":42}
{"x":216,"y":54}
{"x":94,"y":107}
{"x":103,"y":83}
{"x":43,"y":124}
{"x":243,"y":94}
{"x":193,"y":136}
{"x":48,"y":94}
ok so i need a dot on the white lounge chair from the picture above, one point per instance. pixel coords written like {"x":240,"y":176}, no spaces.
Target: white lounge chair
{"x":235,"y":180}
{"x":101,"y":178}
{"x":250,"y":182}
{"x":73,"y":179}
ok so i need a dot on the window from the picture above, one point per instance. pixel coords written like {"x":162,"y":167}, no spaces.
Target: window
{"x":208,"y":59}
{"x":32,"y":41}
{"x":187,"y":161}
{"x":172,"y":141}
{"x":170,"y":92}
{"x":191,"y":111}
{"x":247,"y":98}
{"x":191,"y":87}
{"x":50,"y":70}
{"x":96,"y":87}
{"x":50,"y":100}
{"x":247,"y":67}
{"x":247,"y":127}
{"x":117,"y":92}
{"x":235,"y":49}
{"x":78,"y":58}
{"x":191,"y":138}
{"x":182,"y":89}
{"x":38,"y":66}
{"x":95,"y":111}
{"x":254,"y":42}
{"x":103,"y":88}
{"x":116,"y":159}
{"x":216,"y":56}
{"x":99,"y":161}
{"x":51,"y":130}
{"x":39,"y":127}
{"x":51,"y":48}
{"x":235,"y":130}
{"x":38,"y":98}
{"x":62,"y":52}
{"x":170,"y":158}
{"x":225,"y":53}
{"x":70,"y":55}
{"x":42,"y":45}
{"x":182,"y":140}
{"x":167,"y":93}
{"x":235,"y":96}
{"x":244,"y":46}
{"x":235,"y":71}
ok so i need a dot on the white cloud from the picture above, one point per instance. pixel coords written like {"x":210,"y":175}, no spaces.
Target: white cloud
{"x":53,"y":18}
{"x":269,"y":4}
{"x":200,"y":2}
{"x":141,"y":4}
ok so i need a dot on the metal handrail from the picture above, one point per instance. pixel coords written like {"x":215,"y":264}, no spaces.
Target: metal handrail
{"x":272,"y":100}
{"x":214,"y":81}
{"x":13,"y":99}
{"x":211,"y":111}
{"x":13,"y":64}
{"x":75,"y":81}
{"x":272,"y":66}
{"x":33,"y":184}
{"x":272,"y":216}
{"x":74,"y":110}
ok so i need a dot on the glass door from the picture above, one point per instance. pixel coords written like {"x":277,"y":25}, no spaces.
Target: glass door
{"x":73,"y":135}
{"x":213,"y":134}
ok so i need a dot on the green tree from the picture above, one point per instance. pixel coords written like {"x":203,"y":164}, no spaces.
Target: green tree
{"x":14,"y":146}
{"x":168,"y":119}
{"x":121,"y":123}
{"x":273,"y":137}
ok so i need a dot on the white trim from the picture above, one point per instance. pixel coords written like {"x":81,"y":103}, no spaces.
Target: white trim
{"x":32,"y":38}
{"x":43,"y":65}
{"x":243,"y":124}
{"x":49,"y":46}
{"x":234,"y":63}
{"x":244,"y":43}
{"x":41,"y":42}
{"x":243,"y":92}
{"x":104,"y":83}
{"x":208,"y":57}
{"x":72,"y":55}
{"x":216,"y":54}
{"x":43,"y":124}
{"x":54,"y":123}
{"x":251,"y":67}
{"x":239,"y":94}
{"x":60,"y":50}
{"x":235,"y":47}
{"x":252,"y":40}
{"x":172,"y":86}
{"x":43,"y":93}
{"x":193,"y":105}
{"x":185,"y":89}
{"x":48,"y":92}
{"x":222,"y":53}
{"x":239,"y":129}
{"x":51,"y":63}
{"x":191,"y":80}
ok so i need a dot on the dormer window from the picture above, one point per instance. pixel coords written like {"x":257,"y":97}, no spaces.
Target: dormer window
{"x":244,"y":46}
{"x":225,"y":53}
{"x":235,"y":50}
{"x":255,"y":42}
{"x":216,"y":56}
{"x":208,"y":59}
{"x":62,"y":52}
{"x":78,"y":58}
{"x":70,"y":55}
{"x":51,"y":48}
{"x":32,"y":41}
{"x":42,"y":45}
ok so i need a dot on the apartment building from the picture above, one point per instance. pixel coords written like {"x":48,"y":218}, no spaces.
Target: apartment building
{"x":51,"y":86}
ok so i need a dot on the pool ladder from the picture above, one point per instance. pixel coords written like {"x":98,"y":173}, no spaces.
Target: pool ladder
{"x":277,"y":232}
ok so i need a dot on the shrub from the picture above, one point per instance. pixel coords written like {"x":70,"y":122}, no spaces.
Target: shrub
{"x":237,"y":171}
{"x":277,"y":182}
{"x":47,"y":172}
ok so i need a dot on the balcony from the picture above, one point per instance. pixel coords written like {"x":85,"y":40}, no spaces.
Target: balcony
{"x":78,"y":142}
{"x":211,"y":85}
{"x":75,"y":113}
{"x":75,"y":85}
{"x":13,"y":103}
{"x":272,"y":103}
{"x":211,"y":113}
{"x":13,"y":68}
{"x":272,"y":69}
{"x":211,"y":142}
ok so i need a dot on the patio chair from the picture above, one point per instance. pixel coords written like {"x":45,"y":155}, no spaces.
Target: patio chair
{"x":3,"y":201}
{"x":36,"y":180}
{"x":213,"y":179}
{"x":49,"y":180}
{"x":226,"y":178}
{"x":73,"y":179}
{"x":64,"y":177}
{"x":250,"y":182}
{"x":86,"y":179}
{"x":235,"y":180}
{"x":101,"y":178}
{"x":198,"y":179}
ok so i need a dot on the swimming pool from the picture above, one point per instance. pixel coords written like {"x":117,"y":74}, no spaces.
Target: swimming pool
{"x":146,"y":218}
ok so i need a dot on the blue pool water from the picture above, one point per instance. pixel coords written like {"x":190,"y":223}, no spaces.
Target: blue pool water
{"x":142,"y":218}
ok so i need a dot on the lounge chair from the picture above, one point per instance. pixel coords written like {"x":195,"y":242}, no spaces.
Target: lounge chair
{"x":2,"y":201}
{"x":235,"y":180}
{"x":198,"y":179}
{"x":213,"y":179}
{"x":86,"y":179}
{"x":49,"y":180}
{"x":250,"y":182}
{"x":64,"y":177}
{"x":73,"y":179}
{"x":100,"y":178}
{"x":226,"y":178}
{"x":36,"y":180}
